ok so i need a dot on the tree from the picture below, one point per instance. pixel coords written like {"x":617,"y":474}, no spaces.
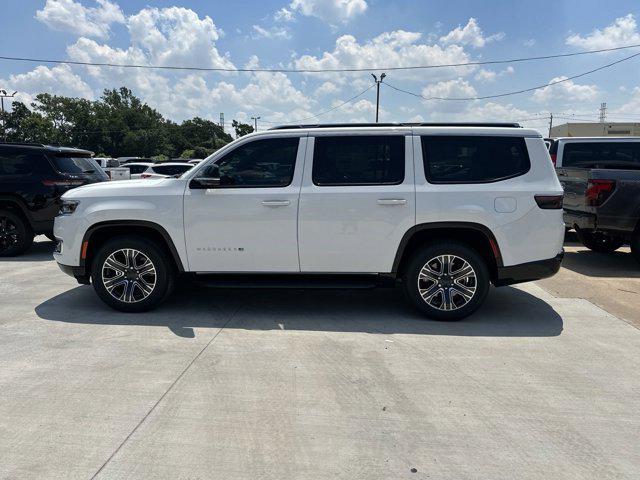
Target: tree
{"x":241,"y":129}
{"x":117,"y":124}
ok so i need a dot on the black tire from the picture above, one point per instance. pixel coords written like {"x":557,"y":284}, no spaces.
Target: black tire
{"x":163,"y":275}
{"x":413,"y":283}
{"x":600,"y":242}
{"x":16,"y":235}
{"x":635,"y":245}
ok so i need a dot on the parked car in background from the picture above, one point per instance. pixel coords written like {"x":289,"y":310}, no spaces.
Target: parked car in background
{"x":33,"y":177}
{"x":441,"y":210}
{"x":106,"y":162}
{"x":167,"y":169}
{"x":601,"y":180}
{"x":123,"y":160}
{"x":136,"y":168}
{"x":195,"y":161}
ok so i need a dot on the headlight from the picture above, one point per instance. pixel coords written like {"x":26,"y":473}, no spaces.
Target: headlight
{"x":68,"y":207}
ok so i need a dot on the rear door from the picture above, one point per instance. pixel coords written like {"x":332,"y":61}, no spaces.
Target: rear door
{"x":357,"y":201}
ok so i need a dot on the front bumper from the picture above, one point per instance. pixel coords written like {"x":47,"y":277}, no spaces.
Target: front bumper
{"x":79,"y":273}
{"x":527,"y":272}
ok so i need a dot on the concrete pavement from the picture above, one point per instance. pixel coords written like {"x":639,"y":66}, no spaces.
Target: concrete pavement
{"x":310,"y":384}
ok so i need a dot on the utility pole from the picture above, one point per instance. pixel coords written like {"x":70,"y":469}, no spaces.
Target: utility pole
{"x":255,"y":123}
{"x":603,"y":112}
{"x":3,"y":95}
{"x":378,"y":82}
{"x":550,"y":123}
{"x":222,"y":121}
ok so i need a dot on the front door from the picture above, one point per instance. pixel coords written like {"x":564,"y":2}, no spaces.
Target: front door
{"x":249,"y":222}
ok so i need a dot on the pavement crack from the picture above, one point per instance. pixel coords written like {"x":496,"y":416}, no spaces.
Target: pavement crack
{"x":166,"y":392}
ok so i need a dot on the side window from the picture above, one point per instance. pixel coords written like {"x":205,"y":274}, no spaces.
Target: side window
{"x":135,"y":169}
{"x":18,"y":162}
{"x":261,"y":163}
{"x":358,"y":160}
{"x":473,"y":159}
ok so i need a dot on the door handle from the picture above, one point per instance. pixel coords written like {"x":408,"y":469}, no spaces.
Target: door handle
{"x":392,"y":201}
{"x":276,"y":203}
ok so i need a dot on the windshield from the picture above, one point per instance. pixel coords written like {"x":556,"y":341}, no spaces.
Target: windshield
{"x":74,"y":165}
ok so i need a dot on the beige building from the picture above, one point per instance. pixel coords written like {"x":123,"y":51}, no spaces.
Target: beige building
{"x":595,"y":129}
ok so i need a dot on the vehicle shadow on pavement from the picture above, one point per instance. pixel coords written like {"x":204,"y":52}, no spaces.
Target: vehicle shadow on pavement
{"x":593,"y":264}
{"x":508,"y":312}
{"x":40,"y":251}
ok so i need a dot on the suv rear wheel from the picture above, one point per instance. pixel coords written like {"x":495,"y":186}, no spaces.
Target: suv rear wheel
{"x":132,"y":274}
{"x":16,"y":235}
{"x":600,"y":242}
{"x":446,"y":281}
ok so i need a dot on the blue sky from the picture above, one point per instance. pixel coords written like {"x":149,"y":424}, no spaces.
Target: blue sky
{"x":330,"y":34}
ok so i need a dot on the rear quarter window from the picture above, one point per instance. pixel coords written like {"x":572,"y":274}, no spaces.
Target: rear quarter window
{"x":473,"y":159}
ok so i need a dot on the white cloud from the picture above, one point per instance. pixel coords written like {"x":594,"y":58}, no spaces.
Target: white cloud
{"x":73,"y":17}
{"x":530,"y":42}
{"x":284,"y":15}
{"x":330,"y":11}
{"x":471,"y":34}
{"x":484,"y":75}
{"x":327,"y":88}
{"x":58,"y":80}
{"x":397,"y":48}
{"x":457,"y":88}
{"x":272,"y":33}
{"x":623,"y":31}
{"x":176,"y":36}
{"x":565,"y":92}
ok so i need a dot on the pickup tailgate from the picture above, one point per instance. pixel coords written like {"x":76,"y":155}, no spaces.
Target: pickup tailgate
{"x":601,"y":198}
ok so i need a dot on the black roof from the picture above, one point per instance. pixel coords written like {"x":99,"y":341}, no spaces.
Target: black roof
{"x":49,"y":148}
{"x":439,"y":124}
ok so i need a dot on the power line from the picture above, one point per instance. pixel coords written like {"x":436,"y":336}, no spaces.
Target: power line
{"x":485,"y":97}
{"x":308,"y":70}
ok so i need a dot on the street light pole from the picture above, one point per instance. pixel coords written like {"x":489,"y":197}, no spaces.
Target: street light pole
{"x":3,"y":95}
{"x":255,"y":123}
{"x":378,"y":82}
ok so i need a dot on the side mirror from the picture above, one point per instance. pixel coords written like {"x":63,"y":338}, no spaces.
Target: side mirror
{"x":204,"y":183}
{"x":210,"y":178}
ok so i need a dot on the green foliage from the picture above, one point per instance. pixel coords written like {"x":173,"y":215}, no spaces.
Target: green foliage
{"x":241,"y":129}
{"x":118,"y":124}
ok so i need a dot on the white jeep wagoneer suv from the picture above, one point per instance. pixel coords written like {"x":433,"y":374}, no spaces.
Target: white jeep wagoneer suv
{"x":444,"y":210}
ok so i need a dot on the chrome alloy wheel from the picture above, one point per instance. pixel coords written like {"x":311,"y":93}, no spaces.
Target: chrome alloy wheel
{"x":447,"y":282}
{"x":129,"y":275}
{"x":9,"y":234}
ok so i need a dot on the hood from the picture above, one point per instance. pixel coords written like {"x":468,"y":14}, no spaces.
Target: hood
{"x":151,"y":186}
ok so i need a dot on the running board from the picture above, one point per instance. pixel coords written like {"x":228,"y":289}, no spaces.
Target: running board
{"x":259,"y":280}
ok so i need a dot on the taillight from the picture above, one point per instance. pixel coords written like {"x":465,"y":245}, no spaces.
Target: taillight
{"x":554,"y":158}
{"x":145,"y":175}
{"x":598,"y":191}
{"x":549,"y":202}
{"x":62,"y":183}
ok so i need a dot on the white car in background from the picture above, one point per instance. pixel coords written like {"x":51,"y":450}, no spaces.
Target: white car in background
{"x":136,"y":168}
{"x":165,"y":170}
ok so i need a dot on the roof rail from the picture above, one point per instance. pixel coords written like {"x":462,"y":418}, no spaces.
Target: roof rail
{"x":437,"y":124}
{"x":22,"y":144}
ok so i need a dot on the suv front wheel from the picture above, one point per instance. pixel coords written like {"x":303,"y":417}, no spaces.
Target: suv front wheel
{"x":446,"y":281}
{"x":16,"y":235}
{"x":131,"y":274}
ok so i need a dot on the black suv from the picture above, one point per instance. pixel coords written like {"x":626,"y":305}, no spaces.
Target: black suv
{"x":33,"y":177}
